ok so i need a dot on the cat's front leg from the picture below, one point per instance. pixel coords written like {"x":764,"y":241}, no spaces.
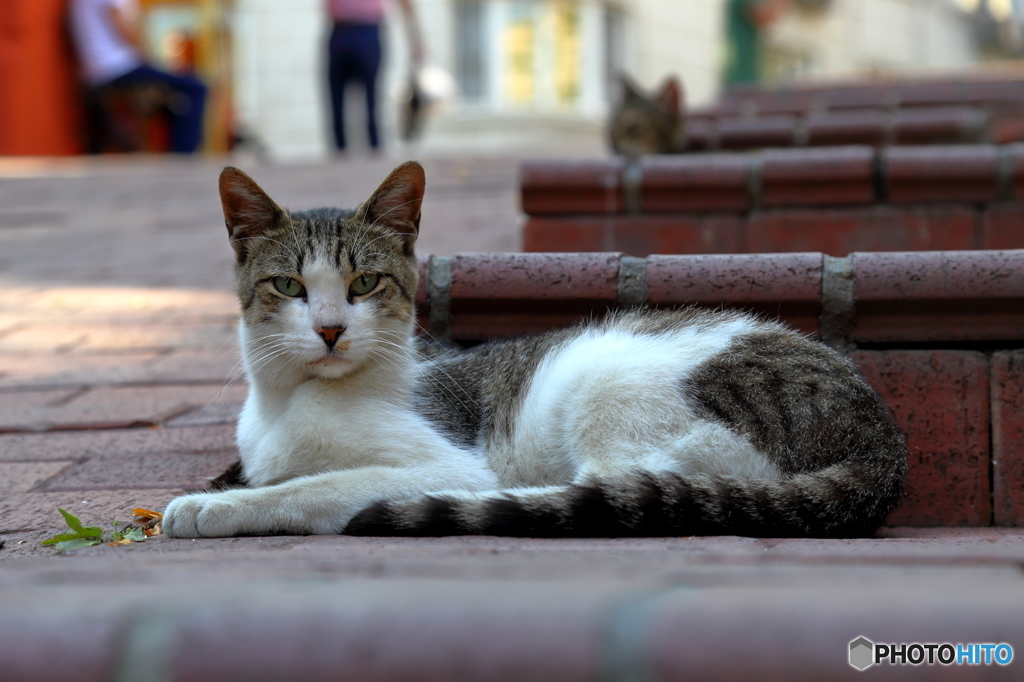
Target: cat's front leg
{"x":320,"y":504}
{"x":209,"y":514}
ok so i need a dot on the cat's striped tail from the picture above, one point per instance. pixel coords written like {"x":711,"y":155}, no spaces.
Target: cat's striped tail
{"x":844,"y":500}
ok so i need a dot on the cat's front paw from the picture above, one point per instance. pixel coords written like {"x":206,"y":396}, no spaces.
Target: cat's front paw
{"x":214,"y":515}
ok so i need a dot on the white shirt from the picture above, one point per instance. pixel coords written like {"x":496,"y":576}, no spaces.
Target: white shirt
{"x":102,"y":50}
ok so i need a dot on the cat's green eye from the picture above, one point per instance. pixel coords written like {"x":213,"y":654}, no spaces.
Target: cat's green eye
{"x":289,"y":286}
{"x":364,"y":284}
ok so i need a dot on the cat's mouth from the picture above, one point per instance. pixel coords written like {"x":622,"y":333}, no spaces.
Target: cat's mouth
{"x":328,"y":360}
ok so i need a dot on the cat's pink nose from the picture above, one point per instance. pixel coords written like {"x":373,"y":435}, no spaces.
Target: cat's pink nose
{"x":330,"y":334}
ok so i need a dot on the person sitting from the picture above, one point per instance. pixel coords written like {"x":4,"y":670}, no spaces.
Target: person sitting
{"x":108,"y":41}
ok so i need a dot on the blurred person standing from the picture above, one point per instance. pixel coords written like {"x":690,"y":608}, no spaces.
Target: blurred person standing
{"x":745,"y":23}
{"x":108,"y":39}
{"x":354,"y":54}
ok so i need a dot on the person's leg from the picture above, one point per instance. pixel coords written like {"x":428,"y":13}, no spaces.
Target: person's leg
{"x":369,"y":57}
{"x":338,"y":74}
{"x":186,"y":105}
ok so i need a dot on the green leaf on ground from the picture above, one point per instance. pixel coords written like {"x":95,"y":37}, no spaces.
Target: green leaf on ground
{"x":76,"y":525}
{"x":87,"y":536}
{"x":135,"y":535}
{"x":76,"y":543}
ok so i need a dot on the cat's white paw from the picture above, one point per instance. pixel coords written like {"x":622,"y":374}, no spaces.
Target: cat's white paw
{"x":214,"y":515}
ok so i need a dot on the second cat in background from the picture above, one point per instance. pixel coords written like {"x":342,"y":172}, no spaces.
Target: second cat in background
{"x":648,"y":124}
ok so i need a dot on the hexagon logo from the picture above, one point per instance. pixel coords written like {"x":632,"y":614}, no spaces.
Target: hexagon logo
{"x":862,"y":653}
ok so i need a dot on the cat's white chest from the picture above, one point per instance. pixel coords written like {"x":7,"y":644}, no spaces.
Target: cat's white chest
{"x":312,"y":428}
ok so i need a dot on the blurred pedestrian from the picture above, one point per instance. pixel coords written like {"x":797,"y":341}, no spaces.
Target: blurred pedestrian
{"x":108,"y":39}
{"x":745,"y":23}
{"x":354,"y":54}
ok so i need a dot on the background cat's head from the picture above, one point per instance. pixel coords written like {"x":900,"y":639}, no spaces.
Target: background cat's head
{"x":642,"y":124}
{"x":324,"y":292}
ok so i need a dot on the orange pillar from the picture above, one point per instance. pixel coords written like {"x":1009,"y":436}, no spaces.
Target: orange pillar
{"x":40,"y":107}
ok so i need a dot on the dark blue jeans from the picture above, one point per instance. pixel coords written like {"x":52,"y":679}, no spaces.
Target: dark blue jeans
{"x":188,"y":99}
{"x":354,"y":55}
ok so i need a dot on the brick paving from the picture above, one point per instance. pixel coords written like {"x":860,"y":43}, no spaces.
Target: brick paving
{"x":118,"y":389}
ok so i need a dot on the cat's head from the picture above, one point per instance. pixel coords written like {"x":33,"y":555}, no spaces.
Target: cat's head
{"x":642,"y":124}
{"x":325,"y":292}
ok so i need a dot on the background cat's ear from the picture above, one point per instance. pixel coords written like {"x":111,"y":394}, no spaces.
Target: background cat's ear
{"x":630,"y":92}
{"x":396,"y":203}
{"x":670,"y":98}
{"x":248,"y":210}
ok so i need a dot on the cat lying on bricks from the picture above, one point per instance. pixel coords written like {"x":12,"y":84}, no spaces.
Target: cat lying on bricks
{"x":644,"y":423}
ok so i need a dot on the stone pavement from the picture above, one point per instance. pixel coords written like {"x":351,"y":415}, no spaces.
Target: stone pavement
{"x":119,"y":387}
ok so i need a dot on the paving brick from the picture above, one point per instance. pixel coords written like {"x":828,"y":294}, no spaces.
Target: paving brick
{"x":21,"y":477}
{"x":846,"y":127}
{"x":842,"y":232}
{"x":942,"y":173}
{"x":801,"y":633}
{"x":566,"y":234}
{"x":585,"y":186}
{"x":29,"y":408}
{"x":57,"y":370}
{"x":939,"y":296}
{"x":80,"y":445}
{"x":1002,"y":226}
{"x":220,"y":413}
{"x":783,"y":285}
{"x":501,"y":294}
{"x":53,"y":645}
{"x":121,"y":302}
{"x":222,"y":366}
{"x":38,"y":510}
{"x":939,"y":125}
{"x":645,"y":235}
{"x":46,"y":339}
{"x":190,"y":471}
{"x":941,"y":401}
{"x":764,"y":131}
{"x":110,"y":407}
{"x":360,"y":631}
{"x":700,"y":133}
{"x":1008,"y":437}
{"x":1015,"y":153}
{"x":93,"y":338}
{"x":817,"y":177}
{"x":706,"y":182}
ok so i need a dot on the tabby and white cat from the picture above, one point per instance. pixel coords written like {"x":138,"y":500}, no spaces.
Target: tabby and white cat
{"x":644,"y":423}
{"x":648,"y":124}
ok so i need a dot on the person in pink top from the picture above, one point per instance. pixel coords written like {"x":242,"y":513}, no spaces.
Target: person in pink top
{"x":354,"y":54}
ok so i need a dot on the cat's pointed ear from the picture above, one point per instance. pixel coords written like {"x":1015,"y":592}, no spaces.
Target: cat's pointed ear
{"x":670,"y":97}
{"x":396,"y":203}
{"x":248,"y":210}
{"x":630,"y":92}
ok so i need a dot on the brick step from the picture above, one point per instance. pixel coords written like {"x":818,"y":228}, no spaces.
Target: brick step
{"x":754,"y":100}
{"x":876,"y":127}
{"x":937,"y":334}
{"x":831,"y":199}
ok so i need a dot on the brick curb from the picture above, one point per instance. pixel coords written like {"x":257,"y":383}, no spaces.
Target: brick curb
{"x":864,"y":298}
{"x":434,"y":630}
